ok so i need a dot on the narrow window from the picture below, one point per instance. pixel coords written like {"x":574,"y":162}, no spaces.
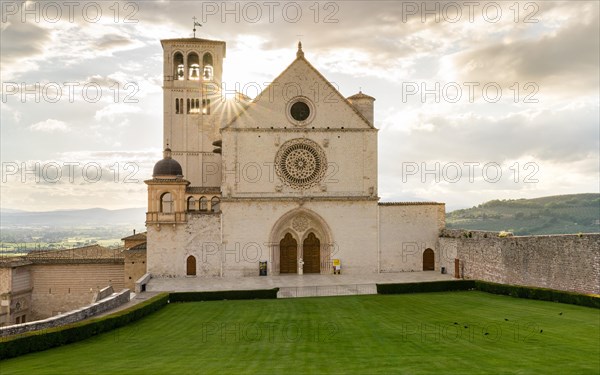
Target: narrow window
{"x":166,"y":203}
{"x":206,"y":106}
{"x":214,"y":204}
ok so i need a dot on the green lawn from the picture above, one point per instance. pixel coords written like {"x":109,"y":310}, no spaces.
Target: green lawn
{"x":410,"y":334}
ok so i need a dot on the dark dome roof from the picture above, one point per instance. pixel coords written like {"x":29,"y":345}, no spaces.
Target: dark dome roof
{"x":167,"y":166}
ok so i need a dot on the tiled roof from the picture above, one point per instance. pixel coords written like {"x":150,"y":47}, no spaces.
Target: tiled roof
{"x":141,"y":246}
{"x":360,"y":95}
{"x":411,"y":204}
{"x":134,"y":237}
{"x":81,"y":253}
{"x":203,"y":190}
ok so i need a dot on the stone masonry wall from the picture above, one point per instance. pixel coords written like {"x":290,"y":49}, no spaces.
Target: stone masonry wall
{"x":561,"y":262}
{"x":109,"y":303}
{"x":63,"y":287}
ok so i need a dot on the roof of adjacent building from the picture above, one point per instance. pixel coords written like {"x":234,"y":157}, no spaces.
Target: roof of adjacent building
{"x":410,"y":203}
{"x":360,"y":95}
{"x":13,"y":261}
{"x":196,"y":40}
{"x":86,"y":253}
{"x":138,"y":247}
{"x":203,"y":190}
{"x":134,"y":237}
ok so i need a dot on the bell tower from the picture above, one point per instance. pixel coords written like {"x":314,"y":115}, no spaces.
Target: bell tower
{"x":192,"y":76}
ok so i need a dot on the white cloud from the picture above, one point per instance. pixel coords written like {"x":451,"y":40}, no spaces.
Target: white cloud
{"x":50,"y":126}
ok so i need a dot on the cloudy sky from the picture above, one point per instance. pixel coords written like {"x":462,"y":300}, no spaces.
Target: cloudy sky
{"x":475,"y":101}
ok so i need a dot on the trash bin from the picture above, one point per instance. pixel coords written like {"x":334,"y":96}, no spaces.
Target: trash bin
{"x":443,"y":270}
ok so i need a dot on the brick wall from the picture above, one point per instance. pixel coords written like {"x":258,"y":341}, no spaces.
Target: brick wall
{"x":562,"y":262}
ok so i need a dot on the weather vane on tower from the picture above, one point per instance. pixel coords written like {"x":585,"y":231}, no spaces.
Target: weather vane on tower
{"x":195,"y":24}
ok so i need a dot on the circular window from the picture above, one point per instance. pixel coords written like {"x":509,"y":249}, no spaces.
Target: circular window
{"x":300,"y":163}
{"x":300,"y":111}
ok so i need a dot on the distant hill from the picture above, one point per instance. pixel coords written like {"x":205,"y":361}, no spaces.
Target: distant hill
{"x":559,"y":214}
{"x":73,"y":218}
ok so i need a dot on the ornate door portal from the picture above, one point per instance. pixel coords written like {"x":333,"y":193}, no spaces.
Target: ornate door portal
{"x":311,"y":249}
{"x":288,"y":259}
{"x":311,"y":254}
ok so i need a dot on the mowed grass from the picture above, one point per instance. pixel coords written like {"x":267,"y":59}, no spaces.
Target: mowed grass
{"x":410,"y":334}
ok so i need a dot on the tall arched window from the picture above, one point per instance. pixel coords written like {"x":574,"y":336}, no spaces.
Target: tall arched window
{"x":178,"y":69}
{"x":207,"y":63}
{"x":193,"y":66}
{"x":203,"y":204}
{"x":191,"y":203}
{"x":215,"y":204}
{"x":166,"y":203}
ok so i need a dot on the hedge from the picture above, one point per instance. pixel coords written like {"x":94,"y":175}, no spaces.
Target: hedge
{"x":542,"y":294}
{"x":223,"y":295}
{"x":433,"y":286}
{"x":35,"y":341}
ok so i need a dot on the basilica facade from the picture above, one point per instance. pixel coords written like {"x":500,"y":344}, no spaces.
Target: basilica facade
{"x":285,"y":183}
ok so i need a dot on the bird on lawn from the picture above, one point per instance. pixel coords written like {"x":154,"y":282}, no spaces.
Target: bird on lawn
{"x":506,"y":320}
{"x":560,"y":313}
{"x":486,"y":334}
{"x":466,"y":326}
{"x":541,"y":330}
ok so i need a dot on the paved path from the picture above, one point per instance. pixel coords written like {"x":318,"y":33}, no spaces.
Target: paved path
{"x":290,"y":285}
{"x":189,"y":284}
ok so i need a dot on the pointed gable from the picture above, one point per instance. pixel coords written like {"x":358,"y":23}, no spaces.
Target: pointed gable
{"x":300,"y":81}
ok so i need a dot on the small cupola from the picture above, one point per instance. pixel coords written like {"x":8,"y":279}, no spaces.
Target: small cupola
{"x":167,"y":167}
{"x":364,"y":104}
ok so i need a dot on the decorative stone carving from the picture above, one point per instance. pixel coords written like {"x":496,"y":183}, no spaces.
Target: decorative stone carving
{"x":300,"y":163}
{"x":300,"y":223}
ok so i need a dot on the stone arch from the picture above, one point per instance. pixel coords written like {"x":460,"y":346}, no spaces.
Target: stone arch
{"x":178,"y":66}
{"x":166,"y":203}
{"x":300,"y":223}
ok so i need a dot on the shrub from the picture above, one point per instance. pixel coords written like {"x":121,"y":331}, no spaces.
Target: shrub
{"x":45,"y":339}
{"x":434,"y":286}
{"x":542,"y":294}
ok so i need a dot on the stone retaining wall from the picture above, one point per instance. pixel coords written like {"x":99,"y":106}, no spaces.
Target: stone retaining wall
{"x":111,"y":302}
{"x":561,"y":262}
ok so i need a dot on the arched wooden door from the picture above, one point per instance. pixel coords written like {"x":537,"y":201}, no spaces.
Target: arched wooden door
{"x":428,"y":260}
{"x":191,"y":266}
{"x":311,"y":249}
{"x":288,"y":254}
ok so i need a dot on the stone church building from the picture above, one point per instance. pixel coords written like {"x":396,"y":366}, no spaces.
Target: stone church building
{"x":289,"y":178}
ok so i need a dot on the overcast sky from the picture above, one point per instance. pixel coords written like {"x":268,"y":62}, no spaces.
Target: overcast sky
{"x":475,"y":100}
